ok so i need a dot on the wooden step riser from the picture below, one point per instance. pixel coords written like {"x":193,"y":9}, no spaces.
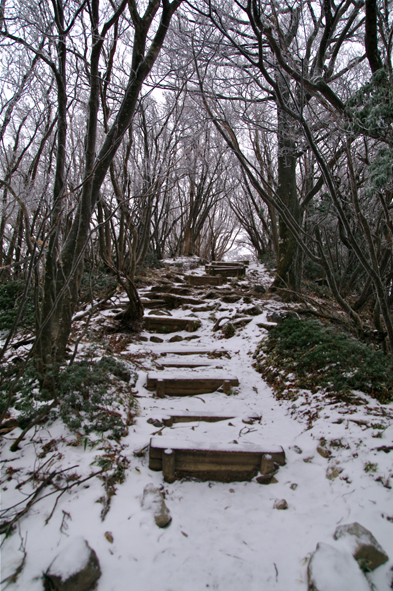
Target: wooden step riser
{"x":169,"y":421}
{"x":187,"y":387}
{"x":212,"y":465}
{"x":167,"y":325}
{"x":238,"y":272}
{"x":206,"y":280}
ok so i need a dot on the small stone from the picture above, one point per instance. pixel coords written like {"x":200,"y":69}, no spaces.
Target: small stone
{"x":143,"y":339}
{"x":281,"y":315}
{"x":266,"y":479}
{"x":280,"y":504}
{"x":325,"y":453}
{"x":293,"y":486}
{"x":175,"y":339}
{"x":154,"y":499}
{"x":333,"y":472}
{"x":109,"y":537}
{"x":297,"y":449}
{"x":231,"y":490}
{"x":331,"y":569}
{"x":76,"y":568}
{"x":308,"y":460}
{"x":155,"y":339}
{"x":364,"y":547}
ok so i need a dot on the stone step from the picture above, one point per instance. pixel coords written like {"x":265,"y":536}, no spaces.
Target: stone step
{"x":166,"y":324}
{"x":212,"y":461}
{"x":234,"y":271}
{"x":204,"y":416}
{"x":187,"y":385}
{"x":244,"y":263}
{"x":205,"y":279}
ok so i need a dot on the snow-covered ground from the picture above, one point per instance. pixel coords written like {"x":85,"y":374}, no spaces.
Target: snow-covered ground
{"x":222,"y":536}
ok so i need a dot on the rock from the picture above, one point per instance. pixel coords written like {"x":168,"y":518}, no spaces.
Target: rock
{"x":191,"y":338}
{"x":364,"y":547}
{"x":175,"y":339}
{"x":333,"y":472}
{"x":259,"y":289}
{"x":76,"y":568}
{"x":155,"y":339}
{"x":293,"y":486}
{"x":280,"y":504}
{"x":230,"y":299}
{"x":281,"y":315}
{"x":153,"y":499}
{"x":253,"y":311}
{"x":143,"y":339}
{"x":267,"y":479}
{"x":325,"y":453}
{"x":330,"y":569}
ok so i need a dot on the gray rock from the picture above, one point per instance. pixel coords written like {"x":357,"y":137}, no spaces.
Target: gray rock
{"x":281,"y":315}
{"x":253,"y":311}
{"x":175,"y":339}
{"x":330,"y":569}
{"x":156,"y":339}
{"x":76,"y":568}
{"x":365,"y":548}
{"x":153,"y":499}
{"x":280,"y":504}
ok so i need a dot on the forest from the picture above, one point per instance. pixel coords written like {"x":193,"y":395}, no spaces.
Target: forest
{"x":133,"y":132}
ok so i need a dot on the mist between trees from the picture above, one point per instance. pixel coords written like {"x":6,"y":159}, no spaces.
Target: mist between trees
{"x":133,"y":131}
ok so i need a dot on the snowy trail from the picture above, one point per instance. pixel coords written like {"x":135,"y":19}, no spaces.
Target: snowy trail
{"x":222,"y":536}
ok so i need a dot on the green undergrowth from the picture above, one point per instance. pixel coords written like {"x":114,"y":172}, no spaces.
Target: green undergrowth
{"x":94,"y":396}
{"x":11,"y":298}
{"x":303,"y":354}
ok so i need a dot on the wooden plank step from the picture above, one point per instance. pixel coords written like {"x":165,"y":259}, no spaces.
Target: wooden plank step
{"x":186,"y":350}
{"x":213,"y":461}
{"x":172,"y":385}
{"x":239,"y":271}
{"x":204,"y":416}
{"x":187,"y":363}
{"x":175,"y":301}
{"x":205,"y":279}
{"x":152,"y":304}
{"x":166,"y":324}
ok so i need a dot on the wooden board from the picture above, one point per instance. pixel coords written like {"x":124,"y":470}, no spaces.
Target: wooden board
{"x":189,"y":363}
{"x":205,"y":279}
{"x":224,"y":463}
{"x":189,"y":416}
{"x":152,"y":304}
{"x":226,"y":271}
{"x":175,"y":301}
{"x":186,"y":349}
{"x":166,"y":324}
{"x":172,"y":385}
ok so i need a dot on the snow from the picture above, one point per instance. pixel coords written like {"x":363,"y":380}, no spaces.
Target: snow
{"x":335,"y":570}
{"x":73,"y":558}
{"x":222,"y":536}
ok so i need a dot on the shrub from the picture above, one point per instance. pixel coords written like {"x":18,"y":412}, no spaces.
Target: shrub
{"x":89,"y":394}
{"x":11,"y":297}
{"x":321,"y":357}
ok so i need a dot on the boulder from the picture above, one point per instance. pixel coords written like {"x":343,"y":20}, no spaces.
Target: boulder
{"x":364,"y":547}
{"x":330,"y":569}
{"x":76,"y":568}
{"x":281,"y":315}
{"x":153,"y":499}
